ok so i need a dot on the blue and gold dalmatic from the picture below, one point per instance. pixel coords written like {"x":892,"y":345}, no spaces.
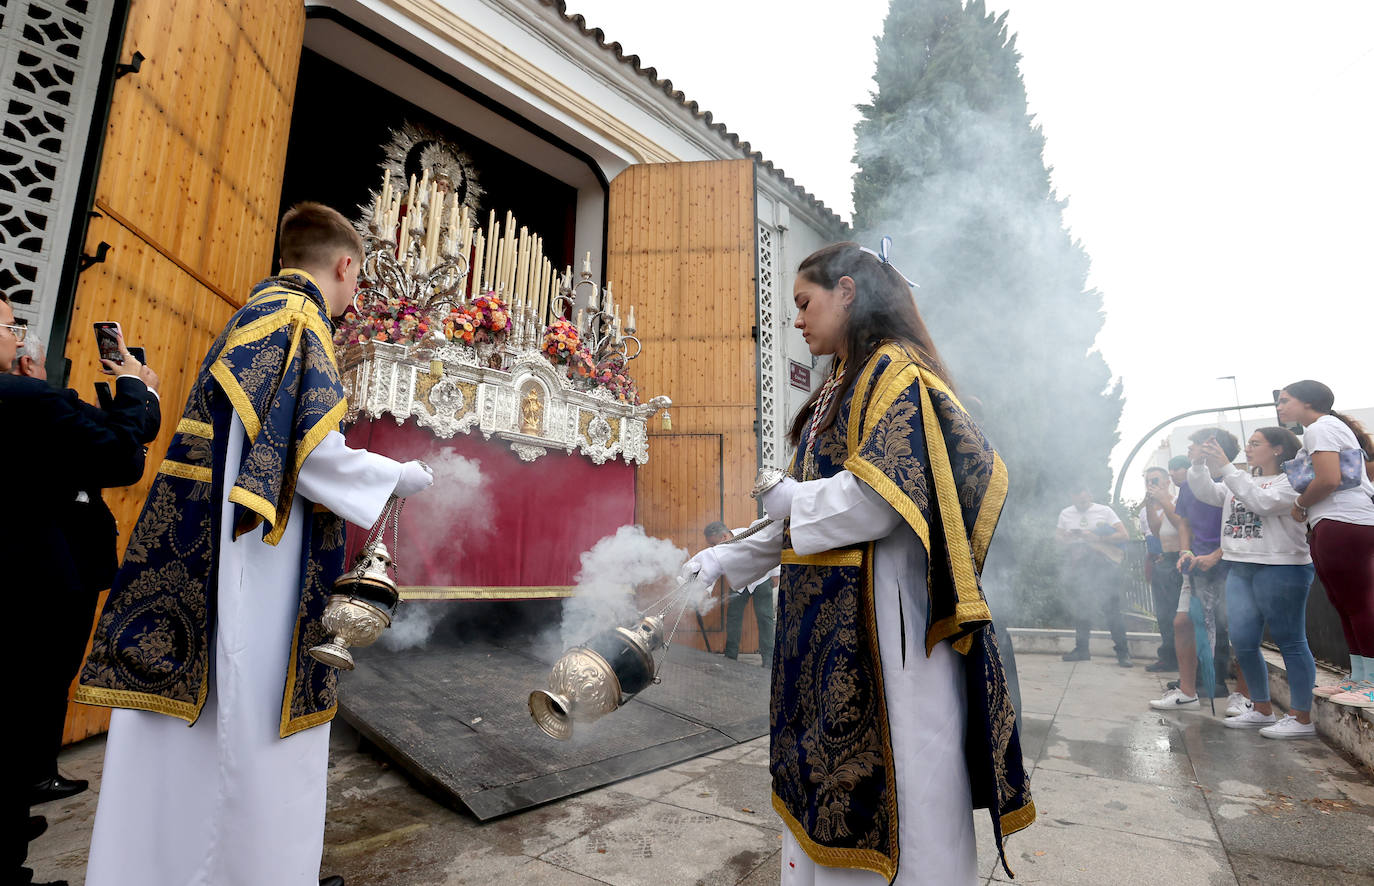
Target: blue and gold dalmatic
{"x":274,"y":366}
{"x":900,"y":430}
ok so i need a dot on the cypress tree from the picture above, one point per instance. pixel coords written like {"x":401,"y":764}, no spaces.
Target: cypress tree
{"x":951,"y":165}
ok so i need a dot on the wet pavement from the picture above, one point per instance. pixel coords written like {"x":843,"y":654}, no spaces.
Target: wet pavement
{"x":1125,"y":795}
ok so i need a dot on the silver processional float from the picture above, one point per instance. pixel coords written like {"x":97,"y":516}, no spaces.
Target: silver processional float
{"x":601,"y":675}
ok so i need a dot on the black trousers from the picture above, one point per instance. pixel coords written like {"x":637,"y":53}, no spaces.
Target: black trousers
{"x":57,"y":664}
{"x":1165,"y":584}
{"x":1096,"y":582}
{"x":762,"y":601}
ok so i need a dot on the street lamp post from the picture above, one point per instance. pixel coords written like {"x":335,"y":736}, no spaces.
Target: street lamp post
{"x":1239,"y":416}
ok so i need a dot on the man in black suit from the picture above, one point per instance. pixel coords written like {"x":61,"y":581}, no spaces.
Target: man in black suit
{"x":90,"y":532}
{"x":50,"y":450}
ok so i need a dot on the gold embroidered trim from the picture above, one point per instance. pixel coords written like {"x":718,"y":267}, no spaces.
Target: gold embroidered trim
{"x":900,"y":501}
{"x":289,"y":725}
{"x":309,"y":721}
{"x":863,"y":859}
{"x":869,"y":598}
{"x":186,"y":471}
{"x":990,"y":510}
{"x":138,"y":701}
{"x":238,"y":398}
{"x":947,"y":499}
{"x":1018,"y":820}
{"x":329,"y":422}
{"x":842,"y":557}
{"x":526,"y":592}
{"x":255,"y":503}
{"x":202,"y":429}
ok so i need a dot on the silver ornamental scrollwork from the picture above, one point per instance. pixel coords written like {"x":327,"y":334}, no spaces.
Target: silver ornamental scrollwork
{"x":599,"y":431}
{"x":355,"y":622}
{"x":447,"y":397}
{"x":528,"y":451}
{"x":589,"y":683}
{"x":384,"y":378}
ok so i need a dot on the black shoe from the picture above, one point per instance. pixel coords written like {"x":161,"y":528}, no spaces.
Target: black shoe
{"x":1123,"y":659}
{"x":332,"y":880}
{"x":56,"y":788}
{"x":1076,"y":655}
{"x":1172,"y":684}
{"x":37,"y":825}
{"x":1160,"y":667}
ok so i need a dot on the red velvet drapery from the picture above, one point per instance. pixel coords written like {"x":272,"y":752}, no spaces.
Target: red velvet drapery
{"x":537,"y":519}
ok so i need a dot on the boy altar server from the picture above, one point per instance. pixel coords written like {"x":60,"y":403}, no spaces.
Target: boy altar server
{"x":221,"y":592}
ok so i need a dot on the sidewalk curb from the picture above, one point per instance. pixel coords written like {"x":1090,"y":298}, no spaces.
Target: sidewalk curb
{"x":1348,"y":729}
{"x":1061,"y":640}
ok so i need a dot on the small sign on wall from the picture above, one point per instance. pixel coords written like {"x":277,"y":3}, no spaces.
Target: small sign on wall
{"x":799,"y":374}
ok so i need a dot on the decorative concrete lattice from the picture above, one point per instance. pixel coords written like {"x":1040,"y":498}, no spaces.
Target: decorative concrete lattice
{"x":50,"y":53}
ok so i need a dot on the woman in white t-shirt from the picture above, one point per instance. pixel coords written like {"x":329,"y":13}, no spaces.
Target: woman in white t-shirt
{"x":1341,"y":524}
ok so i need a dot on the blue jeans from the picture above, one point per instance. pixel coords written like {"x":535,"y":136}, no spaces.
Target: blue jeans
{"x":1259,"y":594}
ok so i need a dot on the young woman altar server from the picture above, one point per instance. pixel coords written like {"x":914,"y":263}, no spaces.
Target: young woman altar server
{"x":890,"y":716}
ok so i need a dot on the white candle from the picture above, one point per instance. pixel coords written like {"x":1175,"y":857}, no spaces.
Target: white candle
{"x":587,"y":264}
{"x":630,"y":324}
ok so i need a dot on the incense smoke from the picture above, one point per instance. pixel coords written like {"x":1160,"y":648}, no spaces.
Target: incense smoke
{"x":613,"y":573}
{"x":1004,"y":295}
{"x":451,"y":515}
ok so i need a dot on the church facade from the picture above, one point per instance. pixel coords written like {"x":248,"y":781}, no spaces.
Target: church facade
{"x":151,"y":145}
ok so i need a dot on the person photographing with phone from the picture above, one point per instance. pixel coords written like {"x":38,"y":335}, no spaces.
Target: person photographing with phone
{"x":54,"y":447}
{"x":91,"y":534}
{"x":1160,"y":521}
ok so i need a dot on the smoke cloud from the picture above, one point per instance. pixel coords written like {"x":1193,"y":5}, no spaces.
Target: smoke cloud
{"x":614,"y":572}
{"x":453,"y":514}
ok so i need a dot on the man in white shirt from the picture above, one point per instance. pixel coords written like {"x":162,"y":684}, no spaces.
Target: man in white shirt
{"x":761,"y":592}
{"x":1091,"y":535}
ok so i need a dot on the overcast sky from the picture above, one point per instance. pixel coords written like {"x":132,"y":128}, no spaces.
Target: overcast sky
{"x":1215,"y":156}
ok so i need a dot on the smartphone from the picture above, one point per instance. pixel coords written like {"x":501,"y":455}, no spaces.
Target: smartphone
{"x":107,"y":335}
{"x":138,"y":354}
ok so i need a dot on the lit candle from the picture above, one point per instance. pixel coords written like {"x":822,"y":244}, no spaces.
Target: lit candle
{"x":478,"y":253}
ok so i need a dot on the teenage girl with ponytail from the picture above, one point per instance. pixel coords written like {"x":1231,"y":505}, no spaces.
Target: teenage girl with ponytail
{"x":1341,"y":525}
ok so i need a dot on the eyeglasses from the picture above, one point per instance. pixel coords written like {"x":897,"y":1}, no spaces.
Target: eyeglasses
{"x":19,"y":331}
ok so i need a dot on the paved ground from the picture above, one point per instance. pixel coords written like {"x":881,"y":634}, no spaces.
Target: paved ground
{"x":1126,"y":795}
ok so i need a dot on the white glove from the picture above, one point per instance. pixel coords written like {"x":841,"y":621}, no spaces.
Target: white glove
{"x":704,"y":567}
{"x":777,"y":502}
{"x":415,"y":477}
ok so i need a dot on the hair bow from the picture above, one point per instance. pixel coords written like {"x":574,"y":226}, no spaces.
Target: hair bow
{"x":881,"y":254}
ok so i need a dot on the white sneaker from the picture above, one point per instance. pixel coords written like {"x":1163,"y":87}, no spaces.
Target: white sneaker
{"x":1250,"y":719}
{"x":1288,"y":727}
{"x":1237,"y":704}
{"x":1173,"y":700}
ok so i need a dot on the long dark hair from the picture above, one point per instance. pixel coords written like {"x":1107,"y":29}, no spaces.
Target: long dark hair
{"x":1319,"y":398}
{"x":883,"y":310}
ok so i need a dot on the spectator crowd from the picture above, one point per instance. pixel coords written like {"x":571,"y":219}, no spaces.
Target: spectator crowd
{"x":1232,"y":551}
